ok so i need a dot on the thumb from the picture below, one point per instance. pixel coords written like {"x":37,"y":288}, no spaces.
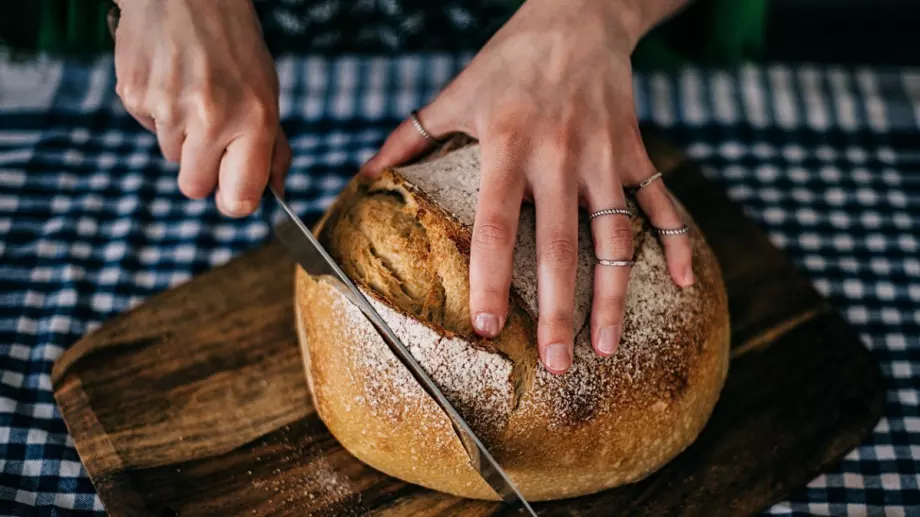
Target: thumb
{"x":281,"y":160}
{"x":407,"y":141}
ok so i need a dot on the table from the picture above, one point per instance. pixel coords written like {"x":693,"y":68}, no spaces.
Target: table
{"x":826,"y":159}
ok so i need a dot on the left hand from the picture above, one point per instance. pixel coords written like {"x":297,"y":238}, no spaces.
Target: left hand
{"x":550,"y":99}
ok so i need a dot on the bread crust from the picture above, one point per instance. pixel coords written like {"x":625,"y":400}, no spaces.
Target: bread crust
{"x":405,"y":239}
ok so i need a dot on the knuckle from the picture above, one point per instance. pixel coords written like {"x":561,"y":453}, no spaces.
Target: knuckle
{"x":558,"y":151}
{"x":164,"y":112}
{"x":559,"y":137}
{"x":491,"y":292}
{"x":509,"y":142}
{"x":492,"y":235}
{"x":493,"y":298}
{"x":131,"y":95}
{"x":260,"y":113}
{"x":559,"y":252}
{"x":557,"y":321}
{"x":207,"y":110}
{"x":617,"y":240}
{"x":517,"y":109}
{"x":603,"y":145}
{"x":622,"y":241}
{"x":610,"y":304}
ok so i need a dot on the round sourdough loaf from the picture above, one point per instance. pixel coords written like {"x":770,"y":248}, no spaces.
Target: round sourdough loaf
{"x":405,"y":239}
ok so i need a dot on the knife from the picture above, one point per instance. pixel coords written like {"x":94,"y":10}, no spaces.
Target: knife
{"x":311,"y":255}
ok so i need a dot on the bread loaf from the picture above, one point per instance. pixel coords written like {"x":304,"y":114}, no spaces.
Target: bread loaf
{"x":405,"y":240}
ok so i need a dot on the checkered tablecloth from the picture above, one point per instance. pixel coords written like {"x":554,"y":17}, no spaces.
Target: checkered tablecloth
{"x":91,"y":223}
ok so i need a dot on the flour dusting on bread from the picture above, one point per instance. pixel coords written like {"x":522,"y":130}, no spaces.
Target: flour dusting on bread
{"x":405,"y":239}
{"x":475,"y":381}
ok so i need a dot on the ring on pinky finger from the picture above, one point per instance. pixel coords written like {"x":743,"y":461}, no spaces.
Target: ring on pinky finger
{"x":665,"y":232}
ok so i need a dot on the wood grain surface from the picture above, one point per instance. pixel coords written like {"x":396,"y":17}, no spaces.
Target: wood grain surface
{"x":195,"y":403}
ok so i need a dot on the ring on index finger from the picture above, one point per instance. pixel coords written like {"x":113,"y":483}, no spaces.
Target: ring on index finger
{"x":420,"y":128}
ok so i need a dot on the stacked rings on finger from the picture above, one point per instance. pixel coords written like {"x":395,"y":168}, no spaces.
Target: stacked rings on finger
{"x":611,"y":211}
{"x":421,"y":129}
{"x":664,"y":232}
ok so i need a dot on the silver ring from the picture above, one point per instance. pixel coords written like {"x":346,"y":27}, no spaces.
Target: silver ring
{"x":611,"y":211}
{"x":672,"y":231}
{"x":421,"y":129}
{"x":647,"y":181}
{"x":615,"y":263}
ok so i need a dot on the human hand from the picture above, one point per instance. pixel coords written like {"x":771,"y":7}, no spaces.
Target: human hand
{"x":550,"y":100}
{"x":198,"y":75}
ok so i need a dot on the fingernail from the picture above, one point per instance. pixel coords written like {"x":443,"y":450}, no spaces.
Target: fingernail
{"x":487,"y":324}
{"x":557,"y":357}
{"x":240,"y":207}
{"x":608,"y":339}
{"x":688,"y":276}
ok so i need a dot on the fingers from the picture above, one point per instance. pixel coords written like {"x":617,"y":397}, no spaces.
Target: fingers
{"x":658,"y":206}
{"x":613,"y":240}
{"x":170,"y":139}
{"x":243,"y":174}
{"x":133,"y":98}
{"x":494,"y":231}
{"x":556,"y":200}
{"x":200,"y":164}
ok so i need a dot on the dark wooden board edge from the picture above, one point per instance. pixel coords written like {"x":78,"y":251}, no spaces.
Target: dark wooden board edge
{"x":120,"y":335}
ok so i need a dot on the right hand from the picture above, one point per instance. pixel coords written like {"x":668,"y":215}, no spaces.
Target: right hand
{"x":198,"y":74}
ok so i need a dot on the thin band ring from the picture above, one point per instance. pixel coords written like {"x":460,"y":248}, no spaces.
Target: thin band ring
{"x":421,"y":129}
{"x":672,"y":231}
{"x":615,"y":263}
{"x":611,"y":211}
{"x":647,"y":181}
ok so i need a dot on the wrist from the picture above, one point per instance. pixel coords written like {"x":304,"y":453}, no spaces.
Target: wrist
{"x":638,"y":17}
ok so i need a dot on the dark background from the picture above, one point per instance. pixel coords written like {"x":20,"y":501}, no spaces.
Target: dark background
{"x":713,"y":32}
{"x":846,"y":31}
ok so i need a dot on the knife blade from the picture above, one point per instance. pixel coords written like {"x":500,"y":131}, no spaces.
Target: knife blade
{"x":316,"y":261}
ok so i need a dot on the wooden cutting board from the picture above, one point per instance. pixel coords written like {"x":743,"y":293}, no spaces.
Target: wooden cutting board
{"x":195,"y":403}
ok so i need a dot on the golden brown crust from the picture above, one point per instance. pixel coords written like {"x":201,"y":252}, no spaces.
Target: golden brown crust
{"x":606,"y":422}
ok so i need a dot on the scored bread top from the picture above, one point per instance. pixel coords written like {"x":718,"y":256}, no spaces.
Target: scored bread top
{"x":405,"y":240}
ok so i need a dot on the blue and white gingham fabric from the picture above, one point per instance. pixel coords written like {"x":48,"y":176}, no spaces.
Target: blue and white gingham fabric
{"x":91,"y":223}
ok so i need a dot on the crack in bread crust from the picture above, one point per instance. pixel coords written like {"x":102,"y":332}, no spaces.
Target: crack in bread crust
{"x":380,"y":237}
